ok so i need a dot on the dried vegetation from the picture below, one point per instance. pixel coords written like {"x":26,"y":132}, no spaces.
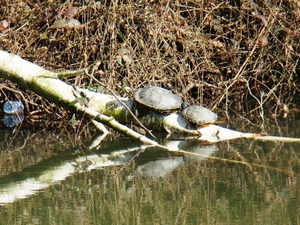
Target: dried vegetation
{"x":235,"y":57}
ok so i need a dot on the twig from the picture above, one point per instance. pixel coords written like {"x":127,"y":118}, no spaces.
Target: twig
{"x":125,"y":106}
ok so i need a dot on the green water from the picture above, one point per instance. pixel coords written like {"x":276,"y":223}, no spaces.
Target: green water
{"x":241,"y":182}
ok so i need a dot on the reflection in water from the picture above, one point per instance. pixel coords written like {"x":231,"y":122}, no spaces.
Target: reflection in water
{"x":160,"y":167}
{"x":200,"y":153}
{"x":119,"y":184}
{"x":21,"y":189}
{"x":12,"y":120}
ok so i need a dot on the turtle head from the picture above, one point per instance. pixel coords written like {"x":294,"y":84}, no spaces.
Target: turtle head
{"x":184,"y":105}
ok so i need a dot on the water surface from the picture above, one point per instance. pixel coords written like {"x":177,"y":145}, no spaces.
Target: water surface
{"x":54,"y":181}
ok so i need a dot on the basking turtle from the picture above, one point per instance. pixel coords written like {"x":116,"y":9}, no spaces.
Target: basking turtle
{"x":158,"y":99}
{"x":198,"y":115}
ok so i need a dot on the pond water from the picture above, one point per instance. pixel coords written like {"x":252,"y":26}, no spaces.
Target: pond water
{"x":55,"y":181}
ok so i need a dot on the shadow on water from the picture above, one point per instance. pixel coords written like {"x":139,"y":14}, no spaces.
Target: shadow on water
{"x":48,"y":181}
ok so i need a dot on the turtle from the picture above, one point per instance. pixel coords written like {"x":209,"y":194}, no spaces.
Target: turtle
{"x":198,"y":115}
{"x":157,"y":99}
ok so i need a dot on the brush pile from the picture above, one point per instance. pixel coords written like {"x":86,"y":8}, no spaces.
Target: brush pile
{"x":235,"y":57}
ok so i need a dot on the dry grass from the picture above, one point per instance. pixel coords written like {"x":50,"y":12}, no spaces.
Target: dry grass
{"x":233,"y":57}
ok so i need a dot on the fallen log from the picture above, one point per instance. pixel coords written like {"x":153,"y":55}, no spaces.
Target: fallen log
{"x":107,"y":109}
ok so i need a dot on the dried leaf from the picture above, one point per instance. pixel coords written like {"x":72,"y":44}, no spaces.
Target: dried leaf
{"x":59,"y":24}
{"x":263,"y":41}
{"x":4,"y":25}
{"x":123,"y":51}
{"x":70,"y":12}
{"x":119,"y":60}
{"x":73,"y":23}
{"x":66,"y":23}
{"x":218,"y":44}
{"x":127,"y":59}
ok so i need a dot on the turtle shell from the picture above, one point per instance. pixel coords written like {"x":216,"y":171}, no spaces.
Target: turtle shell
{"x":157,"y":98}
{"x":199,"y":115}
